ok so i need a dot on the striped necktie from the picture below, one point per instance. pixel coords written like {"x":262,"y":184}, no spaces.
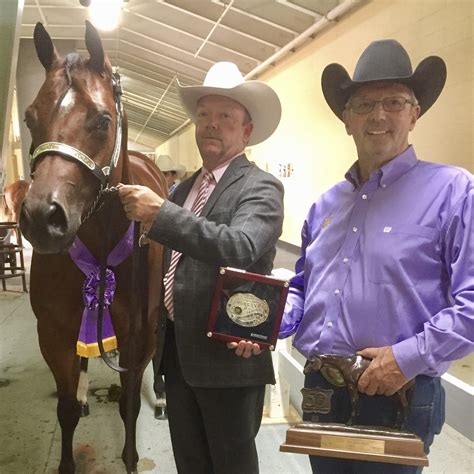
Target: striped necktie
{"x":201,"y":199}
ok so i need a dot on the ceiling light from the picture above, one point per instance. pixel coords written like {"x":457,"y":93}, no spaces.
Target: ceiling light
{"x":105,"y":14}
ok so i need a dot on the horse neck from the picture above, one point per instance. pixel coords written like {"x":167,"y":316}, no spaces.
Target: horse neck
{"x":125,"y":176}
{"x":109,"y":222}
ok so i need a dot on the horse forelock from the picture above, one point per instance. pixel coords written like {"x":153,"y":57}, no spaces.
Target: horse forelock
{"x":71,"y":60}
{"x":57,"y":84}
{"x":71,"y":75}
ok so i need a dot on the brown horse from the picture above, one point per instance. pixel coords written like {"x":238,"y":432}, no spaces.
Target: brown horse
{"x":79,"y":138}
{"x":13,"y":196}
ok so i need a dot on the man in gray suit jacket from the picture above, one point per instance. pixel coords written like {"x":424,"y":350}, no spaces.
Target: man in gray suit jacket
{"x":215,"y":391}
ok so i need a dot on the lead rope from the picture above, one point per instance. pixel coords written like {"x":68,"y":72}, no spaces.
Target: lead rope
{"x":108,"y":190}
{"x":135,"y":327}
{"x":100,"y":314}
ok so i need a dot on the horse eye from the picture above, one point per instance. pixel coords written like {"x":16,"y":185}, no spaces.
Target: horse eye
{"x":29,"y":120}
{"x":103,"y":122}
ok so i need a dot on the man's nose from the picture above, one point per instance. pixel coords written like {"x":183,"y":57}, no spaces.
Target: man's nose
{"x":379,"y":111}
{"x":212,"y":122}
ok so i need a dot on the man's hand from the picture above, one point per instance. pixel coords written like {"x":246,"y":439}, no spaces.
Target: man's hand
{"x":383,"y":376}
{"x":140,"y":203}
{"x":244,"y":348}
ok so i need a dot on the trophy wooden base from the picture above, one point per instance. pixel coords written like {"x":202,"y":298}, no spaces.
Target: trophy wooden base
{"x":355,"y":442}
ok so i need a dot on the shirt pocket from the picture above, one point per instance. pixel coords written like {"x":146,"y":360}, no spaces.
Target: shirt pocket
{"x":402,"y":254}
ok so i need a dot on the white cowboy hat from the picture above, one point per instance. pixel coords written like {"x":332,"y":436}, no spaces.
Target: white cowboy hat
{"x":165,"y":163}
{"x":260,"y":100}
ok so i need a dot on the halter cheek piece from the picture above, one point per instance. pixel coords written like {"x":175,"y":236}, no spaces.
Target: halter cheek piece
{"x":102,"y":174}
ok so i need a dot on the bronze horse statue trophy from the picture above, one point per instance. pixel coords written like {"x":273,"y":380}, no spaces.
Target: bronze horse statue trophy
{"x":345,"y":371}
{"x":79,"y":155}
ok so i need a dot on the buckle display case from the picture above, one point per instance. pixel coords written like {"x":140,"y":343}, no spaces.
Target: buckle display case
{"x":247,"y":306}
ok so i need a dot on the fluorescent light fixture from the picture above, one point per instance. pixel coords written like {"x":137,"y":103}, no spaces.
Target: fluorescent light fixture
{"x":105,"y":14}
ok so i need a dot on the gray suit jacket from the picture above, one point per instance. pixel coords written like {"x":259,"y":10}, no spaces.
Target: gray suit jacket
{"x":238,"y":227}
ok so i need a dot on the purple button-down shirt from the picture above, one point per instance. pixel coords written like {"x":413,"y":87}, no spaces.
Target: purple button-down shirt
{"x":389,"y":262}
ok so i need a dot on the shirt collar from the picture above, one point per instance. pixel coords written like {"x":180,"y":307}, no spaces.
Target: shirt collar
{"x":219,"y":171}
{"x":389,"y":172}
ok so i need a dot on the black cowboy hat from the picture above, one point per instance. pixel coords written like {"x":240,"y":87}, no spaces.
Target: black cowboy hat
{"x":385,"y":60}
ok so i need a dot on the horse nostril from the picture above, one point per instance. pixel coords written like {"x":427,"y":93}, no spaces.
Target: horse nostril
{"x":56,"y":219}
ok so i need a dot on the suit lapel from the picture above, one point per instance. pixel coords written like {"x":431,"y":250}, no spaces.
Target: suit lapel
{"x":235,"y":171}
{"x":182,"y":191}
{"x":179,"y":197}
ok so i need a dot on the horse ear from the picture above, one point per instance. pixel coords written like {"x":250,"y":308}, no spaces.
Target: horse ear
{"x":44,"y":46}
{"x":94,"y":46}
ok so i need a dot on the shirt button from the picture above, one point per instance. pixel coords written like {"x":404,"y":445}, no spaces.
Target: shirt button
{"x":337,"y":291}
{"x":364,"y":196}
{"x":345,"y":260}
{"x":354,"y":229}
{"x":329,"y":324}
{"x":384,"y":185}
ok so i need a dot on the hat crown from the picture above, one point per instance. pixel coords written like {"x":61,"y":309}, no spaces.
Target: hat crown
{"x":165,"y":161}
{"x":225,"y":75}
{"x":384,"y":59}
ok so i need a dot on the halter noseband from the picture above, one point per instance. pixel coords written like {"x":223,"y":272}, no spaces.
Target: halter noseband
{"x":102,"y":174}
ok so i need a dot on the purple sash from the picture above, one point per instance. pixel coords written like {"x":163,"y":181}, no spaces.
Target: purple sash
{"x":87,"y":345}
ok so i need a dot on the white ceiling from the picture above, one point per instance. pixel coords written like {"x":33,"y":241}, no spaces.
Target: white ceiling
{"x":161,"y":40}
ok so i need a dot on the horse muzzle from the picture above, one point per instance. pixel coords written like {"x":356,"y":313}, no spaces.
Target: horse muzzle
{"x":46,"y":225}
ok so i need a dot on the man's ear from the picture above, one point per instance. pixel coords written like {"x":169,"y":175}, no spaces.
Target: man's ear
{"x":415,"y":114}
{"x":345,"y":118}
{"x":248,"y":131}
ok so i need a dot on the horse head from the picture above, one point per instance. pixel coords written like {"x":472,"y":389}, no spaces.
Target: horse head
{"x":12,"y":199}
{"x":75,"y":125}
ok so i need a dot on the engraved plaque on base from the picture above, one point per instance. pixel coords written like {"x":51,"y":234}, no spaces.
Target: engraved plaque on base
{"x":355,"y":442}
{"x":247,"y":306}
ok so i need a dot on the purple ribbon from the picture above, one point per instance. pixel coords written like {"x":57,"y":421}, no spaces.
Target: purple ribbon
{"x":87,"y":345}
{"x":90,"y":290}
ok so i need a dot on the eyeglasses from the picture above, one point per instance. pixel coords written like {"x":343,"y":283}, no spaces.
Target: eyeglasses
{"x":389,"y":104}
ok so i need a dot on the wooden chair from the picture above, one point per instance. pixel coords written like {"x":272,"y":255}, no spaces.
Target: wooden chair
{"x":12,"y":263}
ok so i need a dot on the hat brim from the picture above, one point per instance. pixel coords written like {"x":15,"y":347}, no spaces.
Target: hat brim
{"x":260,"y":100}
{"x":427,"y":82}
{"x":180,"y":170}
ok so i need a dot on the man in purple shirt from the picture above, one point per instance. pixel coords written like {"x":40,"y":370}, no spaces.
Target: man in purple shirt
{"x":387,"y":260}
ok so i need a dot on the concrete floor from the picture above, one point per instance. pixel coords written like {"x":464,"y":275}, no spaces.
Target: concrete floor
{"x":30,"y":434}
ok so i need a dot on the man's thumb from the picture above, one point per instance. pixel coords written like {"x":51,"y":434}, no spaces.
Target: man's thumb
{"x":368,"y":353}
